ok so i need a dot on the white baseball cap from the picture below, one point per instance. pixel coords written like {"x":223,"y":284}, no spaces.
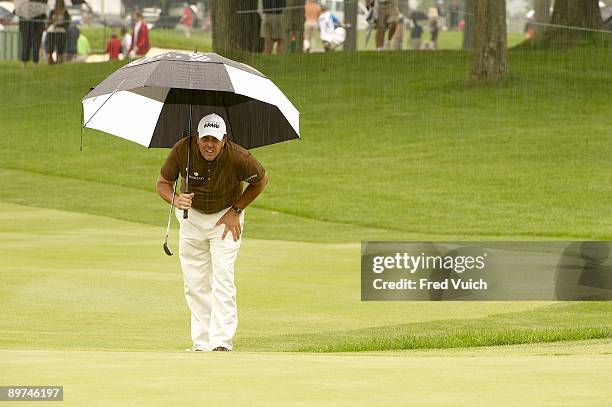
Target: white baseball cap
{"x":212,"y":125}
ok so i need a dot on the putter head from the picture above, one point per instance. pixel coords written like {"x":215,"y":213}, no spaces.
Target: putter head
{"x":167,"y":249}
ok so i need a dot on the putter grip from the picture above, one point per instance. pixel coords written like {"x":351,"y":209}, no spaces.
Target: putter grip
{"x":185,"y":213}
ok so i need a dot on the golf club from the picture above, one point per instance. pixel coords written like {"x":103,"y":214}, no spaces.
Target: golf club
{"x":166,"y":247}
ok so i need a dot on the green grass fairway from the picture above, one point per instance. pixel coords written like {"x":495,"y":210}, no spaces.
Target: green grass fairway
{"x":533,"y":376}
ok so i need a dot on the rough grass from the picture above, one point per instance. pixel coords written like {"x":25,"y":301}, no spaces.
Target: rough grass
{"x":547,"y":324}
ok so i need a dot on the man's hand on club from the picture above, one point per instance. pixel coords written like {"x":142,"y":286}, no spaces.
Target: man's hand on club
{"x":231,"y":220}
{"x":183,"y":201}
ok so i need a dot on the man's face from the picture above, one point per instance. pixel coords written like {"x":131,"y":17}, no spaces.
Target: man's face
{"x":210,"y":147}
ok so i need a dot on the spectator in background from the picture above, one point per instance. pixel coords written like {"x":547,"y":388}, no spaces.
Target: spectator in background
{"x":332,"y":32}
{"x":415,"y":35}
{"x":83,"y":48}
{"x":86,"y":13}
{"x":187,"y":20}
{"x":71,"y":44}
{"x":312,"y":11}
{"x":45,"y":44}
{"x":113,"y":47}
{"x":31,"y":29}
{"x":528,"y":31}
{"x":454,"y":11}
{"x":433,"y":30}
{"x":432,"y":11}
{"x":57,"y":27}
{"x":397,"y":42}
{"x":140,"y":37}
{"x":441,"y":20}
{"x":126,"y":42}
{"x":272,"y":25}
{"x":387,"y":12}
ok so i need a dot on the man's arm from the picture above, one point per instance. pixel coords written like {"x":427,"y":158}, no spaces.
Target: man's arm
{"x":165,"y":190}
{"x":231,"y":219}
{"x":251,"y":192}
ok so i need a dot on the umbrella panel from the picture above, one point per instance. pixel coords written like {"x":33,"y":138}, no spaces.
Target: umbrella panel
{"x":250,"y":123}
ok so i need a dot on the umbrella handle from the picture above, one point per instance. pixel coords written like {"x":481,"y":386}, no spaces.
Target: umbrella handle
{"x":185,"y":214}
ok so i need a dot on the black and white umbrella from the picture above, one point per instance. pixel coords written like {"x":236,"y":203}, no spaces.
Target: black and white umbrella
{"x":28,"y":9}
{"x":151,"y":101}
{"x":5,"y":11}
{"x":154,"y":102}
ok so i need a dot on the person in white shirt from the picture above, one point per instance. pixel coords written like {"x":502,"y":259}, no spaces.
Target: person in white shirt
{"x":126,"y":42}
{"x":331,"y":30}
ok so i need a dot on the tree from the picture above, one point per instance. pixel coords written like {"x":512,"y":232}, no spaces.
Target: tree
{"x":541,"y":14}
{"x":579,"y":14}
{"x":233,"y":30}
{"x":350,"y":17}
{"x":468,"y":28}
{"x":489,"y":55}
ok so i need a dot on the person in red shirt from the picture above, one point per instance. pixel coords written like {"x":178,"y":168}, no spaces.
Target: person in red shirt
{"x":140,"y":37}
{"x":113,"y":47}
{"x":187,"y":19}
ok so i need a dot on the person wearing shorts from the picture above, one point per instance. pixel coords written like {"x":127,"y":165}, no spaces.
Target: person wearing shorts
{"x":387,"y":17}
{"x":312,"y":11}
{"x":272,"y":25}
{"x":59,"y":21}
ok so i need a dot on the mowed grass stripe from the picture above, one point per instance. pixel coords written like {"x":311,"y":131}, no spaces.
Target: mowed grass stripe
{"x":143,"y":205}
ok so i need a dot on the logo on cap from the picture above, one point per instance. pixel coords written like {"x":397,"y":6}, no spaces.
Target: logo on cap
{"x":212,"y":125}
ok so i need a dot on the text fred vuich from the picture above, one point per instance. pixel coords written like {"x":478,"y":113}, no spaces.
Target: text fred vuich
{"x":427,"y":264}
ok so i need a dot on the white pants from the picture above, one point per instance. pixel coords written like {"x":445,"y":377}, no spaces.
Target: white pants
{"x":208,"y":273}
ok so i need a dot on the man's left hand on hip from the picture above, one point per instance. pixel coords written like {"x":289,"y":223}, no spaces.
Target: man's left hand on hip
{"x":231,"y":220}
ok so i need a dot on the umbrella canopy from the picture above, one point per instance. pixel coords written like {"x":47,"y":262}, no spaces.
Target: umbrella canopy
{"x":30,"y":8}
{"x":152,"y":100}
{"x":8,"y":6}
{"x":4,"y":12}
{"x":33,"y":8}
{"x":418,"y":15}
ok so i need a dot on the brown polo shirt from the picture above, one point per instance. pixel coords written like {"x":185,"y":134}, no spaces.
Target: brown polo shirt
{"x":215,"y":184}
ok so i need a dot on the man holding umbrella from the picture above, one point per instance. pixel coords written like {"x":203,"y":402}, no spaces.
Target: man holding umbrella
{"x":156,"y":102}
{"x":216,"y":202}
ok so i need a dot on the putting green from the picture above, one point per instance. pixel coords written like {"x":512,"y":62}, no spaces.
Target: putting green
{"x":76,"y":281}
{"x":581,"y":377}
